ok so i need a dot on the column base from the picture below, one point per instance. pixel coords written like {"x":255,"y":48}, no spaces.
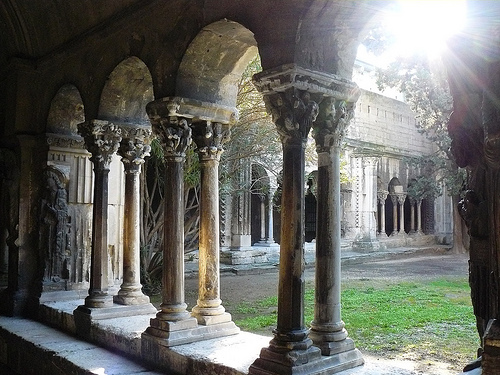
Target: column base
{"x":114,"y":311}
{"x":330,"y":348}
{"x":266,"y":244}
{"x":207,"y":320}
{"x":167,"y":334}
{"x":131,"y":299}
{"x":99,"y":301}
{"x":304,"y":362}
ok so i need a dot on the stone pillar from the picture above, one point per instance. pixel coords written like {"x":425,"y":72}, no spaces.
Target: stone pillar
{"x":173,"y":324}
{"x":382,"y":196}
{"x":401,"y":200}
{"x":262,"y":219}
{"x":101,"y":140}
{"x":208,"y":137}
{"x":270,"y":222}
{"x":134,"y":147}
{"x":413,"y":202}
{"x":241,"y":229}
{"x":294,"y":109}
{"x":174,"y":134}
{"x":419,"y":217}
{"x":366,"y":239}
{"x":327,"y":328}
{"x":394,"y":200}
{"x":267,"y":241}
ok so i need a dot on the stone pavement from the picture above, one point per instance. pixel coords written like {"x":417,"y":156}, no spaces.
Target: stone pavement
{"x":50,"y":351}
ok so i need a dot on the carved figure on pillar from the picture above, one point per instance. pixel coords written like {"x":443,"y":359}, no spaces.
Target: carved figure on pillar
{"x":101,"y":140}
{"x":54,"y":232}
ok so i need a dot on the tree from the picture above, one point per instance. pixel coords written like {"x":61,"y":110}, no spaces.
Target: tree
{"x":425,"y":87}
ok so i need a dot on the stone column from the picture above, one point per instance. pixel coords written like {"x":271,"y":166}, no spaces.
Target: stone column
{"x":401,"y":200}
{"x":327,"y":328}
{"x":262,"y":219}
{"x":419,"y":217}
{"x":270,"y":221}
{"x":101,"y":140}
{"x":366,"y":239}
{"x":294,"y":109}
{"x":208,"y":137}
{"x":394,"y":200}
{"x":241,"y":237}
{"x":267,"y":241}
{"x":134,"y":147}
{"x":382,"y":196}
{"x":413,"y":202}
{"x":173,"y":324}
{"x":174,"y":134}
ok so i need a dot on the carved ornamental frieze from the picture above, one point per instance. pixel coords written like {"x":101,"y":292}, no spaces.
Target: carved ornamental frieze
{"x":65,"y":141}
{"x":102,"y":139}
{"x":134,"y":147}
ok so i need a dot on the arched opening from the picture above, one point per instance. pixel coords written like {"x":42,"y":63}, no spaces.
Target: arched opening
{"x":126,"y":92}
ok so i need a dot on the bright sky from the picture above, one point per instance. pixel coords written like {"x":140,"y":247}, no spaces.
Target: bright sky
{"x":423,"y":26}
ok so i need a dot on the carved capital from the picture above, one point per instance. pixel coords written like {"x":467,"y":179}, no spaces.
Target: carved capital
{"x":370,"y":161}
{"x":134,"y":147}
{"x":293,"y":113}
{"x":102,"y":139}
{"x":401,"y":198}
{"x":209,"y":138}
{"x":174,"y":134}
{"x":382,"y":196}
{"x":330,"y":126}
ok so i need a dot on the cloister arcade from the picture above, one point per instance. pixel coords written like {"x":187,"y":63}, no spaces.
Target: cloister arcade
{"x":83,"y":89}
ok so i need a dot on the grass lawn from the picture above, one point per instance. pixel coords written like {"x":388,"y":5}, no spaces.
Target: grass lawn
{"x":424,"y":320}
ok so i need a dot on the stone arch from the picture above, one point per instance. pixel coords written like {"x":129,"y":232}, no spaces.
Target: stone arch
{"x":66,"y":111}
{"x":128,"y":89}
{"x":395,"y":186}
{"x":214,"y":62}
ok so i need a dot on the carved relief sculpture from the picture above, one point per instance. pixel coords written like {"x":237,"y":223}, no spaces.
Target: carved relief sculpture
{"x":55,"y":224}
